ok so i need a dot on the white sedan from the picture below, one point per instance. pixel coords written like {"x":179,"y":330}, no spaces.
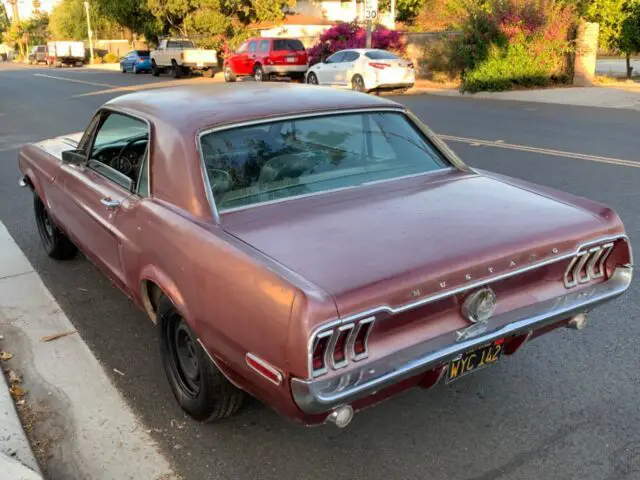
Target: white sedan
{"x":363,"y":69}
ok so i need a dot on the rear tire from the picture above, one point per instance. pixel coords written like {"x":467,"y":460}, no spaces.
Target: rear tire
{"x":258,"y":73}
{"x":154,"y":69}
{"x":55,"y":242}
{"x":176,"y":70}
{"x":200,"y":388}
{"x":229,"y":76}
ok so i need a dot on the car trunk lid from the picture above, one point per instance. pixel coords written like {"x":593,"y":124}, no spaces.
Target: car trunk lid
{"x":387,"y":244}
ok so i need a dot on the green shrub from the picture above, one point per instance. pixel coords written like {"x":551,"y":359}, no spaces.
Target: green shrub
{"x":514,"y":44}
{"x":110,"y":58}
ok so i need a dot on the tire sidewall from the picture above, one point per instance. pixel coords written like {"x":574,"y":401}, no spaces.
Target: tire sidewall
{"x":258,"y":77}
{"x":197,"y":406}
{"x":312,"y":75}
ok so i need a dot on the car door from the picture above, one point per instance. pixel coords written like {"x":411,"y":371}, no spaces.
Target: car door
{"x":252,"y":53}
{"x":237,"y":60}
{"x":97,"y":190}
{"x":126,"y":61}
{"x":264,"y":47}
{"x":346,"y":68}
{"x":327,"y":70}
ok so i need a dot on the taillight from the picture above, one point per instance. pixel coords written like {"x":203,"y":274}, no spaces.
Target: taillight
{"x":587,"y":265}
{"x":361,"y":338}
{"x":319,"y":358}
{"x":181,"y":55}
{"x":349,"y":342}
{"x":378,"y":65}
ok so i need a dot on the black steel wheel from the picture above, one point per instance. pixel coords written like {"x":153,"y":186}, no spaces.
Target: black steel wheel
{"x":55,"y":242}
{"x":312,"y":79}
{"x":200,"y":388}
{"x":357,"y":83}
{"x":154,"y":69}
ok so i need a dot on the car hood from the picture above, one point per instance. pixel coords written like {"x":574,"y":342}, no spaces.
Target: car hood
{"x":376,"y":244}
{"x":55,"y":146}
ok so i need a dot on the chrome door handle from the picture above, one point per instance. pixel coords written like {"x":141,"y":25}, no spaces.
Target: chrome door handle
{"x":109,"y":203}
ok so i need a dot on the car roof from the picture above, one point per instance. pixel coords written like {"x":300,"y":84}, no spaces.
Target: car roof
{"x":192,"y":108}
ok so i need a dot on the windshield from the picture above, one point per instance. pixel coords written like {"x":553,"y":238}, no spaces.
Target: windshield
{"x":142,"y":53}
{"x":289,"y":158}
{"x":290,"y":45}
{"x":381,"y":55}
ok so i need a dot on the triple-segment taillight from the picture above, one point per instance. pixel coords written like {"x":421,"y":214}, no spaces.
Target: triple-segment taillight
{"x":379,"y":65}
{"x":336,"y":347}
{"x":587,"y":265}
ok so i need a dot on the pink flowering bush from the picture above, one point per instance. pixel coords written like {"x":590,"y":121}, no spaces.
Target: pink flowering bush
{"x":352,"y":35}
{"x":515,"y":43}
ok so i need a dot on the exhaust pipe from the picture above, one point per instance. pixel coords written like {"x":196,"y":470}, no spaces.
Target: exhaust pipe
{"x":578,"y":322}
{"x":341,"y":416}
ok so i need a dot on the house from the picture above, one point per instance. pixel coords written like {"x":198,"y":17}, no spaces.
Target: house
{"x":310,"y":18}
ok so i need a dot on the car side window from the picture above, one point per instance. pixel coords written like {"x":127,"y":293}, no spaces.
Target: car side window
{"x":351,"y":56}
{"x":119,"y":148}
{"x":253,"y":45}
{"x":264,"y":46}
{"x":143,"y":178}
{"x":336,"y":57}
{"x":243,"y":48}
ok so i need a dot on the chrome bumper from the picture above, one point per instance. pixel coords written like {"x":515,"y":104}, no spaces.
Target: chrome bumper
{"x":322,"y":395}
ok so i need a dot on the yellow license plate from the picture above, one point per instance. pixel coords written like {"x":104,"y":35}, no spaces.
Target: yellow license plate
{"x":474,"y":360}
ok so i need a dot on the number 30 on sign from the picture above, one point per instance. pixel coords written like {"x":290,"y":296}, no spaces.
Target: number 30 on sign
{"x":370,"y":9}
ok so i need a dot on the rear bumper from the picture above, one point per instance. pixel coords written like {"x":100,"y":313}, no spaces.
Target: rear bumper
{"x":323,"y":395}
{"x":198,"y":65}
{"x":394,"y":86}
{"x":284,"y":69}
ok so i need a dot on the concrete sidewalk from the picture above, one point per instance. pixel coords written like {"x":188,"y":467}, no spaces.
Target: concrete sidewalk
{"x":619,"y":95}
{"x":89,"y":430}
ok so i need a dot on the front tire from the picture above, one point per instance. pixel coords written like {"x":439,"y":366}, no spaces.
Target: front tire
{"x":200,"y":388}
{"x":312,"y":79}
{"x":55,"y":242}
{"x":357,"y":84}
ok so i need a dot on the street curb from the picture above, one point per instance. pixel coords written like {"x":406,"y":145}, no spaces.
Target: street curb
{"x":16,"y":456}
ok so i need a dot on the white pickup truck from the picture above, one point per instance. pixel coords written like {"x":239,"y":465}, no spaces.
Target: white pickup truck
{"x":180,"y":56}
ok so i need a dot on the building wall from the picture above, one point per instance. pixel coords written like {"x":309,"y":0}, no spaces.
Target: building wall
{"x":338,"y":11}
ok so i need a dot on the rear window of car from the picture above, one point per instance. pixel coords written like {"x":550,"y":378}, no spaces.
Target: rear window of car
{"x":180,"y":44}
{"x":294,"y":157}
{"x":142,"y":53}
{"x":381,"y":55}
{"x":290,"y":45}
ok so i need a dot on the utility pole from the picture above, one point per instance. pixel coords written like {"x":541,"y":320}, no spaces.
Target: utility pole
{"x":393,"y":14}
{"x":16,"y":14}
{"x":86,"y":7}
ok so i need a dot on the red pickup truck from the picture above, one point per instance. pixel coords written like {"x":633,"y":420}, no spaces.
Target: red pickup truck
{"x":266,"y":57}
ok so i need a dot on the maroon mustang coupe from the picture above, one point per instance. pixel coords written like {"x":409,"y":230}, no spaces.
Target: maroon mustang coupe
{"x":321,"y":250}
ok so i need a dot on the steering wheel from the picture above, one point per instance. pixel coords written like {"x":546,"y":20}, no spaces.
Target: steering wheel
{"x":220,"y":180}
{"x":122,"y":163}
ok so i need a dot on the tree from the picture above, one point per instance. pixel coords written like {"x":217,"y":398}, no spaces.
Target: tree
{"x":618,"y":21}
{"x":406,"y":10}
{"x":4,"y":19}
{"x":630,"y":33}
{"x":68,"y":21}
{"x":134,"y":15}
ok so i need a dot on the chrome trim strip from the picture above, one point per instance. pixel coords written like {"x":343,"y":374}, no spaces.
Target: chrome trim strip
{"x":584,"y":257}
{"x":22,"y":183}
{"x":320,"y":395}
{"x":266,"y":366}
{"x":432,"y":137}
{"x":469,"y":286}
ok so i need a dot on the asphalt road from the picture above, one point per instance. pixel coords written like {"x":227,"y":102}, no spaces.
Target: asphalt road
{"x":565,"y":407}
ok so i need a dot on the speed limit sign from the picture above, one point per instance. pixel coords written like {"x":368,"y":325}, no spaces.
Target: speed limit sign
{"x":370,"y":9}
